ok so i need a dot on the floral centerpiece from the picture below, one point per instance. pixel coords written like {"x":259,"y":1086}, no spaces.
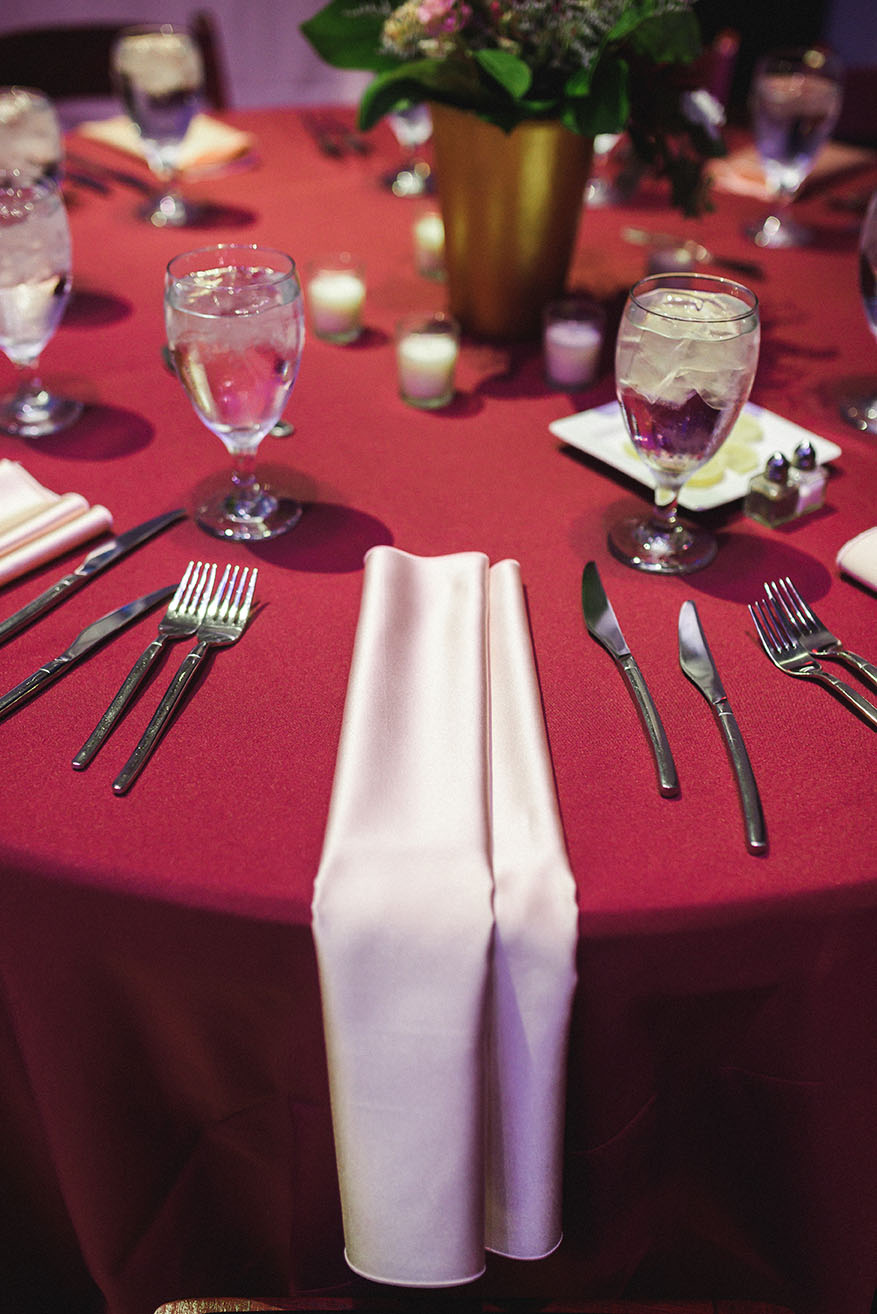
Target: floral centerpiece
{"x":542,"y":78}
{"x":597,"y":66}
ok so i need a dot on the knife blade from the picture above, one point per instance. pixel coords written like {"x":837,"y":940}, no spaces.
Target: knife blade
{"x":603,"y":626}
{"x":697,"y":662}
{"x":93,"y":635}
{"x":96,"y":561}
{"x":697,"y":251}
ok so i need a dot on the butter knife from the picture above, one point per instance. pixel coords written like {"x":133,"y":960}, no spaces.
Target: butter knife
{"x":697,"y":662}
{"x":603,"y":626}
{"x":698,"y":252}
{"x":96,"y":633}
{"x":94,"y":563}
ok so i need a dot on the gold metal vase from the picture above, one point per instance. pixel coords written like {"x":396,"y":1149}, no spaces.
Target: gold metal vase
{"x":511,"y":204}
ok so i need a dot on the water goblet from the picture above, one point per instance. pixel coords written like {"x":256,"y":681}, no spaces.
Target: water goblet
{"x":795,"y":103}
{"x":160,"y":75}
{"x":685,"y":359}
{"x":234,"y":317}
{"x":861,"y":412}
{"x":412,"y":127}
{"x":31,"y":143}
{"x":35,"y":279}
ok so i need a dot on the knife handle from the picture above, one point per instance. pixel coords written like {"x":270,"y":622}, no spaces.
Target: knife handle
{"x":132,"y":683}
{"x":43,"y":603}
{"x":753,"y":818}
{"x":668,"y":781}
{"x":160,"y":720}
{"x":32,"y":685}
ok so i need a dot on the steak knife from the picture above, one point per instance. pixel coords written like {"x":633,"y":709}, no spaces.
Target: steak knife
{"x":96,"y":561}
{"x":696,"y":661}
{"x":98,"y":632}
{"x":603,"y":626}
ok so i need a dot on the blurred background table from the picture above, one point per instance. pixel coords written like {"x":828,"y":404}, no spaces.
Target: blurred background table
{"x":164,"y":1102}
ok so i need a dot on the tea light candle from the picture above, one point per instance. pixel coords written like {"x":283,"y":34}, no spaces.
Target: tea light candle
{"x":429,"y":245}
{"x":426,"y":354}
{"x":335,"y":299}
{"x":572,"y":349}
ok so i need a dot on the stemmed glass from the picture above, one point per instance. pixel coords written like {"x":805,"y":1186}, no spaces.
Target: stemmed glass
{"x":685,"y":360}
{"x":412,"y":127}
{"x":31,"y":143}
{"x":35,"y":278}
{"x":795,"y":103}
{"x":235,"y":328}
{"x":862,"y":411}
{"x":160,"y":75}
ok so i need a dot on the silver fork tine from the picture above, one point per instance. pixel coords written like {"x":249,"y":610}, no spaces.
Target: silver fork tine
{"x":223,"y":624}
{"x":183,"y":616}
{"x":814,"y":634}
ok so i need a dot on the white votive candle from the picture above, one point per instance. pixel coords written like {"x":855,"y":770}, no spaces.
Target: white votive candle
{"x":573,"y":340}
{"x":335,"y":298}
{"x":427,"y":359}
{"x":429,"y":245}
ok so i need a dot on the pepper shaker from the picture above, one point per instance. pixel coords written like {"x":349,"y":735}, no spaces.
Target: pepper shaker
{"x":773,"y":497}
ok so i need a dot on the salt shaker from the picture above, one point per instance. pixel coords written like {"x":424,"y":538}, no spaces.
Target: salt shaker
{"x":773,"y":497}
{"x":808,"y":477}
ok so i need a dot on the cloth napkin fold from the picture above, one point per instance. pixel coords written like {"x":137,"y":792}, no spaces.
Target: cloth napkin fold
{"x":208,"y":143}
{"x":742,"y":172}
{"x":858,"y":558}
{"x":445,"y":925}
{"x":37,"y":525}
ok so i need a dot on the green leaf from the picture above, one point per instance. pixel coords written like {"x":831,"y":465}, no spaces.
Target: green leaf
{"x":347,"y":34}
{"x":453,"y":82}
{"x":606,"y":105}
{"x":506,"y":69}
{"x":670,"y":38}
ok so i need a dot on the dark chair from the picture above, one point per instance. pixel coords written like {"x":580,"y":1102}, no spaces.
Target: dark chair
{"x":73,"y":62}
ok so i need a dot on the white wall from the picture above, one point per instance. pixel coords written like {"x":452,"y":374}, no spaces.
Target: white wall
{"x":269,"y":62}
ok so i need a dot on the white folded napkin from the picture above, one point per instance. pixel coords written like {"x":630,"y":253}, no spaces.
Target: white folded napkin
{"x":445,"y":924}
{"x":208,"y":142}
{"x":37,"y":525}
{"x":858,"y":557}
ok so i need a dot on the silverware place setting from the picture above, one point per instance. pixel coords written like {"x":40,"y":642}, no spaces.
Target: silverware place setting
{"x":221,"y":625}
{"x":791,"y":634}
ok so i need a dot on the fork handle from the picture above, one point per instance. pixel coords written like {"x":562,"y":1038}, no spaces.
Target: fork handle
{"x":126,"y":692}
{"x":856,"y":663}
{"x":161,"y":719}
{"x":849,"y":695}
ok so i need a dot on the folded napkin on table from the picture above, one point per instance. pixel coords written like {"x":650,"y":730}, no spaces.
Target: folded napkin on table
{"x":207,"y":143}
{"x":445,"y":924}
{"x":742,"y":172}
{"x":37,"y":525}
{"x":858,"y":557}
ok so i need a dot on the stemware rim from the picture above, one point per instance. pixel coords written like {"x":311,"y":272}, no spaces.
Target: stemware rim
{"x":217,"y":248}
{"x":691,"y":281}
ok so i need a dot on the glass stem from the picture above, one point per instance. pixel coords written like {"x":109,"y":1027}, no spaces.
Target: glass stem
{"x":243,"y":478}
{"x":664,"y":512}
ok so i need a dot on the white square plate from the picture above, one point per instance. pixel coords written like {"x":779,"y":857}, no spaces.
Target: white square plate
{"x":601,"y":433}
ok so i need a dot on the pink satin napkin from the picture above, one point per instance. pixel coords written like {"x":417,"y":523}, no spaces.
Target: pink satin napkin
{"x":858,"y":558}
{"x":37,"y":525}
{"x":445,"y":924}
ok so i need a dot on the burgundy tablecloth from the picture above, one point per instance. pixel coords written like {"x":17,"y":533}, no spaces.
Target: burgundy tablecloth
{"x":163,"y":1094}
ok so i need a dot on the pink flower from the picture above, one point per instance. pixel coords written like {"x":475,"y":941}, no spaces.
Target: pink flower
{"x":435,"y":14}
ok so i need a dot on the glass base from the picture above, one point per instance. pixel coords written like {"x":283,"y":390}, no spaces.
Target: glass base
{"x":223,"y":513}
{"x":861,"y":413}
{"x":169,"y":211}
{"x":774,"y":232}
{"x":37,"y":413}
{"x":646,"y":544}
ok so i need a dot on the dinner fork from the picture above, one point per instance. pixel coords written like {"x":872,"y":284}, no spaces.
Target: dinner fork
{"x":223,"y":624}
{"x":186,"y":611}
{"x":810,"y":631}
{"x":786,"y":652}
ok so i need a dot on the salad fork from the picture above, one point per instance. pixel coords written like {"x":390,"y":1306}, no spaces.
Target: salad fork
{"x":810,"y":631}
{"x":785,"y":652}
{"x":185,"y":613}
{"x":223,"y":624}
